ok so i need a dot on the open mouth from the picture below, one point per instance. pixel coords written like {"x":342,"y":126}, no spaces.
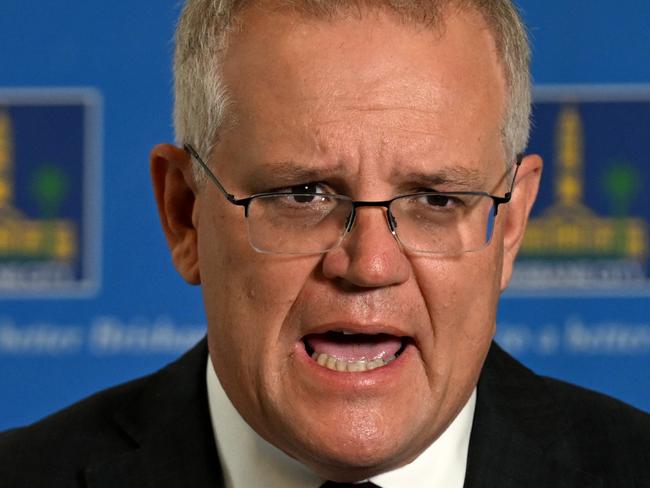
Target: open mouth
{"x":352,"y":352}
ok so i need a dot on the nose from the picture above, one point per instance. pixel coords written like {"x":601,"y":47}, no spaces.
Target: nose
{"x":370,"y":256}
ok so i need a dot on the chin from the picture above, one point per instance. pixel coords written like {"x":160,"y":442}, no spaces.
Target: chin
{"x":357,"y":447}
{"x":355,"y":462}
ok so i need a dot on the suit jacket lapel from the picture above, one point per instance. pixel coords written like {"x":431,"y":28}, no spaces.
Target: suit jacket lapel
{"x":520,"y":436}
{"x":168,"y":433}
{"x":519,"y":433}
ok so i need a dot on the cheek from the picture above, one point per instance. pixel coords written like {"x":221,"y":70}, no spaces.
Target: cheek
{"x":241,"y":286}
{"x":247,"y":295}
{"x":262,"y":289}
{"x":460,"y":296}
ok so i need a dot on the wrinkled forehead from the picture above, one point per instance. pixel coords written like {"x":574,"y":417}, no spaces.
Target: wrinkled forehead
{"x":366,"y":83}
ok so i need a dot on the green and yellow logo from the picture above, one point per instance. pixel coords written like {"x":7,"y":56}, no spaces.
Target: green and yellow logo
{"x":569,"y":244}
{"x":41,"y":238}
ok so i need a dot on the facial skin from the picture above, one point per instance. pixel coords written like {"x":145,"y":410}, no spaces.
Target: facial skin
{"x":365,"y":103}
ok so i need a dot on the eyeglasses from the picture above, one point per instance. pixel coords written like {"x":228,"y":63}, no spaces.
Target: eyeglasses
{"x":440,"y":223}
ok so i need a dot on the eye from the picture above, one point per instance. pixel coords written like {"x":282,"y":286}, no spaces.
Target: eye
{"x":309,"y":200}
{"x":305,"y":191}
{"x":440,"y":201}
{"x":437,"y":200}
{"x":308,"y":188}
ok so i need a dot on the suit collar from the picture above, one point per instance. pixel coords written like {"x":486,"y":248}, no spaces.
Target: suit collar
{"x":167,"y":446}
{"x":520,"y":432}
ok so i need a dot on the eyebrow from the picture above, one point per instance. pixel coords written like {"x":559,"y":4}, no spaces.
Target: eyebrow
{"x":291,"y":172}
{"x":460,"y":178}
{"x":288,"y":172}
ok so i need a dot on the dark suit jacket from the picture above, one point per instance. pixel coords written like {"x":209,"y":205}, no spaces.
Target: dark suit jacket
{"x":528,"y":431}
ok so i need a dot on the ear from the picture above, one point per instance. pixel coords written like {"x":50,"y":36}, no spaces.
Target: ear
{"x":517,"y":212}
{"x":175,"y":191}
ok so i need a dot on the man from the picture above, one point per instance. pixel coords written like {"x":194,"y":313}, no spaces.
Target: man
{"x":348,"y":191}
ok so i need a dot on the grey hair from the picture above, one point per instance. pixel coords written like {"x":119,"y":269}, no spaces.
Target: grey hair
{"x":202,"y":103}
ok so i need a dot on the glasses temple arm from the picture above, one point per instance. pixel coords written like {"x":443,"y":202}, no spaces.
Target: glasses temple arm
{"x":209,"y":172}
{"x":508,"y":195}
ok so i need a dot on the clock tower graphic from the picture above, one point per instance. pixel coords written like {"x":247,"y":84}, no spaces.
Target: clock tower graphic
{"x":35,"y":250}
{"x":569,"y":245}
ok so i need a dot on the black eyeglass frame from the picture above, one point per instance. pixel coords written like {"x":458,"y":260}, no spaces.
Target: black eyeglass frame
{"x":245,"y":202}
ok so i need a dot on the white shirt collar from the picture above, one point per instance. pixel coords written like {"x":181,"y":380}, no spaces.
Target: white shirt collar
{"x":248,"y":460}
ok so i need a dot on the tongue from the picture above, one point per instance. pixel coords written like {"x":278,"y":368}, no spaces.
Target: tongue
{"x":354,"y":347}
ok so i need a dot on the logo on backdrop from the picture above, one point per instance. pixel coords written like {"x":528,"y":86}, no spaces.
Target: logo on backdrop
{"x":589,"y":231}
{"x":48,"y":192}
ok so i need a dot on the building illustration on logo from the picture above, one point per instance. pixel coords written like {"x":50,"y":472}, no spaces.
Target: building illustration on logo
{"x":48,"y":231}
{"x":569,"y":245}
{"x":24,"y":239}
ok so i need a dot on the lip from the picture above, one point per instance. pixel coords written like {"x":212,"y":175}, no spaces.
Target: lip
{"x":338,"y":382}
{"x":355,"y":328}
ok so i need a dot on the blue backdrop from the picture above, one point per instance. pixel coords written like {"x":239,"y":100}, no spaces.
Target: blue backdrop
{"x":134,"y":314}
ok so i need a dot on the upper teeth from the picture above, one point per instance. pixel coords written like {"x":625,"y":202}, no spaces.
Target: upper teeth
{"x":330,"y":362}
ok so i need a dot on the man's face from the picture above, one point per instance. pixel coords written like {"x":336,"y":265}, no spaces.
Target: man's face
{"x":370,"y":108}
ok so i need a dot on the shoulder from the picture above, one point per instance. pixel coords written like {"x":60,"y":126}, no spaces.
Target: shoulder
{"x":55,"y":450}
{"x":568,"y":426}
{"x":603,"y":426}
{"x":603,"y":435}
{"x":56,"y":447}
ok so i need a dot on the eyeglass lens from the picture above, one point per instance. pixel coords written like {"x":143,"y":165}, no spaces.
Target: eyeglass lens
{"x":444,"y":224}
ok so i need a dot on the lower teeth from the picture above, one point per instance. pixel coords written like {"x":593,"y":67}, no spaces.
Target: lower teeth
{"x":330,"y":362}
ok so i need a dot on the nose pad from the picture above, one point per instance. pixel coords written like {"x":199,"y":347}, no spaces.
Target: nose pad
{"x":392,"y":223}
{"x":349,"y":221}
{"x":370,"y":258}
{"x":390,"y":218}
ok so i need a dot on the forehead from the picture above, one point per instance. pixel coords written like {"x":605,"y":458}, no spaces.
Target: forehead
{"x":365,"y":85}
